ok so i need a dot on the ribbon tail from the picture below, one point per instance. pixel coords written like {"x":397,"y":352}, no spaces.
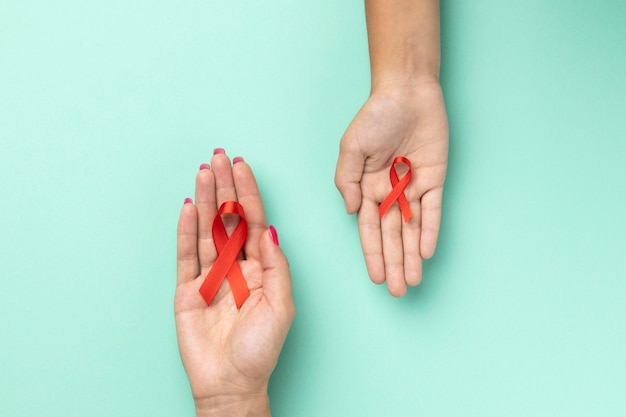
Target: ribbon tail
{"x":385,"y":205}
{"x":238,"y":285}
{"x":405,"y":208}
{"x":214,"y":279}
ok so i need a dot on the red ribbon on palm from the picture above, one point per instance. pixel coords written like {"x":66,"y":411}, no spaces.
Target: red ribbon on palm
{"x":228,"y":248}
{"x":397,"y":192}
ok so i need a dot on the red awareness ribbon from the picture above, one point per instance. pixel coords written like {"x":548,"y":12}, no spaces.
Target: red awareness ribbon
{"x":397,"y":192}
{"x":226,"y":264}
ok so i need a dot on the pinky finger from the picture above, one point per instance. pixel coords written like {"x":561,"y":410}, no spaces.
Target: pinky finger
{"x":187,"y":244}
{"x":431,"y":219}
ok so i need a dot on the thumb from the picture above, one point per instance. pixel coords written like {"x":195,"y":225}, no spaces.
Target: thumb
{"x":276,"y":275}
{"x":348,"y":176}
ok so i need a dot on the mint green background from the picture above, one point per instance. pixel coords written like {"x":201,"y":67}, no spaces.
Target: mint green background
{"x":108,"y":108}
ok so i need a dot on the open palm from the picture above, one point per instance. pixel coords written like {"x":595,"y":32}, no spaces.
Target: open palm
{"x":229,"y":352}
{"x":409,"y":122}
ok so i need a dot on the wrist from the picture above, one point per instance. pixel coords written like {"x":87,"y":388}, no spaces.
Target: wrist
{"x":257,"y":405}
{"x":396,"y":82}
{"x":408,"y":92}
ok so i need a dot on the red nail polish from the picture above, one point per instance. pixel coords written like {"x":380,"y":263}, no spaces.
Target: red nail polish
{"x":218,"y":151}
{"x":237,"y":159}
{"x":205,"y":166}
{"x":274,"y":235}
{"x":188,"y":200}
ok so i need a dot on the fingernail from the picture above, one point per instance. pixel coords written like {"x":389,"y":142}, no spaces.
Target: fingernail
{"x":205,"y":166}
{"x":274,"y":235}
{"x":237,"y":159}
{"x":188,"y":200}
{"x":218,"y":151}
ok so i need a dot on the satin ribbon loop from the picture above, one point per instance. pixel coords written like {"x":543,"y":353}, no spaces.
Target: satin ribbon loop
{"x":397,"y":191}
{"x":228,"y":248}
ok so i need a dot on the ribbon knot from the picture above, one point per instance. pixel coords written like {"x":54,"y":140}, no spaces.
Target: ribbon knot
{"x":397,"y":192}
{"x":226,"y":265}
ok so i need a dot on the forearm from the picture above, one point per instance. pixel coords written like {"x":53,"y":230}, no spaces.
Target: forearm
{"x":257,"y":406}
{"x":403,"y":41}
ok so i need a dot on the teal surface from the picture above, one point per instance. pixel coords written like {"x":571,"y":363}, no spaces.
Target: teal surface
{"x":108,"y":108}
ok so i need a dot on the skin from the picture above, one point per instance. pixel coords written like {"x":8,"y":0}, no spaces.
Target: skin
{"x":404,"y":116}
{"x":229,"y":354}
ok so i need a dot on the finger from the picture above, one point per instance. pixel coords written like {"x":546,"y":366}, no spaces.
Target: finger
{"x":431,"y":220}
{"x":207,"y":209}
{"x":224,"y":186}
{"x":371,"y":242}
{"x":250,"y":198}
{"x":411,"y":244}
{"x":187,"y":244}
{"x":276,"y":275}
{"x":348,"y":175}
{"x":393,"y":252}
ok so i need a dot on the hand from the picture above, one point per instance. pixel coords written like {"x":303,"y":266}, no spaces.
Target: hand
{"x":229,"y":354}
{"x":399,"y":120}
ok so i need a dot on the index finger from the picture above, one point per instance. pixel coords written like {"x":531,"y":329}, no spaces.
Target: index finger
{"x":371,"y":240}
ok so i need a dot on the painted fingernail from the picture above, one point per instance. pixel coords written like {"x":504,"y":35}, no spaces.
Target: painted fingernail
{"x":274,"y":235}
{"x":205,"y":166}
{"x":188,"y":200}
{"x":218,"y":151}
{"x":237,"y":159}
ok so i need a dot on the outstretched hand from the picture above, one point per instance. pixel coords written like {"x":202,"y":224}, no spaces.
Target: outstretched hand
{"x":407,"y":121}
{"x":229,"y":353}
